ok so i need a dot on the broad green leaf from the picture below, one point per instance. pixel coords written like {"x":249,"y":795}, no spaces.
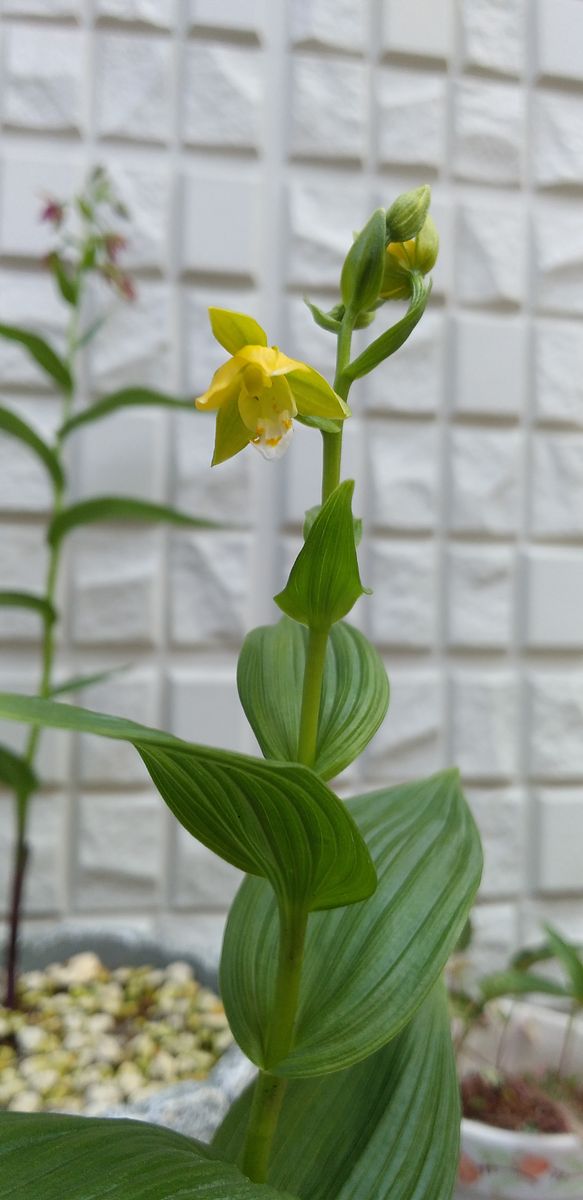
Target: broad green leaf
{"x":367,"y":969}
{"x":42,"y":353}
{"x":78,"y":682}
{"x":15,"y":427}
{"x":386,"y":1129}
{"x":234,"y":330}
{"x":49,"y":1157}
{"x":36,"y":604}
{"x":312,"y":513}
{"x":126,"y":398}
{"x":392,"y":339}
{"x":324,"y":582}
{"x":119,"y":508}
{"x":275,"y":820}
{"x":518,"y":983}
{"x":15,"y":772}
{"x":355,"y":693}
{"x":363,"y":267}
{"x":570,"y":961}
{"x":323,"y":319}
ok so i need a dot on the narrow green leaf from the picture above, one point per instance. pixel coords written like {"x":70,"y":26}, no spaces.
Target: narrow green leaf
{"x":126,"y":398}
{"x":36,"y":604}
{"x":367,"y":969}
{"x":66,"y":279}
{"x":570,"y":961}
{"x":363,"y":267}
{"x":119,"y":508}
{"x":324,"y":581}
{"x":42,"y":353}
{"x":392,"y":339}
{"x":324,"y":424}
{"x":518,"y":983}
{"x":386,"y":1129}
{"x":49,"y":1157}
{"x":355,"y":693}
{"x":275,"y":820}
{"x":323,"y":319}
{"x":15,"y":772}
{"x":78,"y":682}
{"x":15,"y":427}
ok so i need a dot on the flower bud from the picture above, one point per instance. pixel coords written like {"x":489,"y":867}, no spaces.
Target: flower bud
{"x":362,"y":272}
{"x":404,"y":259}
{"x":406,"y":216}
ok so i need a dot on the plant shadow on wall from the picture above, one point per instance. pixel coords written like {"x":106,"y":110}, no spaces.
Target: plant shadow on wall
{"x":336,"y":943}
{"x":88,"y":249}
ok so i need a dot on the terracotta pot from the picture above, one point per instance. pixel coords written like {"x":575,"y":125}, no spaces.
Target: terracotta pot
{"x":498,"y":1164}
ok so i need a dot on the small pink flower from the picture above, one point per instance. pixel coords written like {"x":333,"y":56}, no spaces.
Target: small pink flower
{"x":127,"y":287}
{"x":114,"y":244}
{"x":468,"y":1171}
{"x":533,"y":1167}
{"x":53,"y":212}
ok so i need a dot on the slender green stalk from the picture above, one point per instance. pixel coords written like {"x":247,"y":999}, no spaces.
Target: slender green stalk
{"x":333,"y":441}
{"x":566,"y":1041}
{"x":312,"y":691}
{"x":265,"y":1109}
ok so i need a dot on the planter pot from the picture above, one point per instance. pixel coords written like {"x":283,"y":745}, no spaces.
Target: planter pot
{"x":498,"y":1164}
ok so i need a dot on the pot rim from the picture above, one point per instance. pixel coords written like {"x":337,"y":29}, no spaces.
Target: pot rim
{"x":514,"y":1140}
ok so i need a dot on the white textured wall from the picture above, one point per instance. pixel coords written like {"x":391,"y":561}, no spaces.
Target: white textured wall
{"x":249,"y":138}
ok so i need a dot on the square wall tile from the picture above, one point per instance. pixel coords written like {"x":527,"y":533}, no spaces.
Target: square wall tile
{"x":484,"y":715}
{"x":411,"y":381}
{"x":136,"y":345}
{"x":491,"y":253}
{"x":205,"y":708}
{"x":321,"y":89}
{"x":216,"y":495}
{"x":501,"y":818}
{"x":423,"y":27}
{"x":560,"y":837}
{"x":403,"y":606}
{"x":409,"y":742}
{"x":555,"y":710}
{"x":554,"y":594}
{"x":557,"y":485}
{"x":133,"y":695}
{"x":200,"y":879}
{"x":559,"y":37}
{"x":134,"y":80}
{"x":41,"y":8}
{"x":480,"y":596}
{"x":44,"y":890}
{"x":43,"y":78}
{"x":485,"y":480}
{"x":116,"y":586}
{"x":494,"y":35}
{"x":223,"y":96}
{"x":342,"y":25}
{"x":411,"y":109}
{"x":558,"y":257}
{"x":123,"y":455}
{"x":160,"y":14}
{"x":228,"y":15}
{"x":320,"y":221}
{"x":210,"y":588}
{"x":558,"y":142}
{"x":490,"y":364}
{"x":222,"y":237}
{"x":489,"y":131}
{"x":403,"y":474}
{"x":119,"y":851}
{"x":25,"y":183}
{"x":558,"y":348}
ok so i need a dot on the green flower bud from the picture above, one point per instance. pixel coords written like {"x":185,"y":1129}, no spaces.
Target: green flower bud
{"x":405,"y":259}
{"x":406,"y":216}
{"x":362,"y":272}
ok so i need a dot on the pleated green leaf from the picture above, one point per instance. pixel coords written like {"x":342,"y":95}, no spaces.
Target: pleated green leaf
{"x":15,"y":772}
{"x":275,"y":820}
{"x":518,"y":983}
{"x":42,"y":353}
{"x":355,"y":693}
{"x":386,"y":1129}
{"x":126,"y":398}
{"x":15,"y":427}
{"x":324,"y":582}
{"x":392,"y":339}
{"x":119,"y":508}
{"x":50,"y":1157}
{"x":28,"y":600}
{"x":368,"y":968}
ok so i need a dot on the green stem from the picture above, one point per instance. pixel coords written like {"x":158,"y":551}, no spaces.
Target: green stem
{"x":566,"y":1041}
{"x":270,"y":1089}
{"x":333,"y":441}
{"x":312,"y":692}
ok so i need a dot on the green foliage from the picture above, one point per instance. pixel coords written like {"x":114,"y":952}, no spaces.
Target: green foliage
{"x":118,"y":508}
{"x":518,"y":983}
{"x":324,"y":582}
{"x":363,"y":267}
{"x":355,"y":693}
{"x":15,"y":427}
{"x":367,"y":968}
{"x":387,"y":1128}
{"x":274,"y":820}
{"x":570,"y":960}
{"x":78,"y":682}
{"x":28,"y":600}
{"x":390,"y":341}
{"x":15,"y":772}
{"x":72,"y":1158}
{"x":125,"y":398}
{"x":42,"y":353}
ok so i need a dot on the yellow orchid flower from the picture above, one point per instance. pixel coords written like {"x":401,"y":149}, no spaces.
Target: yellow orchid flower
{"x":403,"y":259}
{"x":258,"y":391}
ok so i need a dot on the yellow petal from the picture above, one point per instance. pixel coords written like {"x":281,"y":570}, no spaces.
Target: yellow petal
{"x":273,"y":406}
{"x":231,"y":435}
{"x":235,"y":330}
{"x":221,"y":384}
{"x":269,"y":358}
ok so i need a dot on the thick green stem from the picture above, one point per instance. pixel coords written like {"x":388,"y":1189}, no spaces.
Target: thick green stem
{"x":270,"y":1089}
{"x":333,"y":441}
{"x":312,"y":692}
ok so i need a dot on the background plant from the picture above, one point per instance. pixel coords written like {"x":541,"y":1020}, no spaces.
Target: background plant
{"x":335,"y":945}
{"x":88,"y":246}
